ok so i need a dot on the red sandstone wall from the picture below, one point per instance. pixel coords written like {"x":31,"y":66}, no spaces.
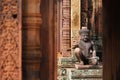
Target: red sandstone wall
{"x":10,"y":39}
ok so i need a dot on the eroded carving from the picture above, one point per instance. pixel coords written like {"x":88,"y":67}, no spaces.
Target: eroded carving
{"x":9,"y":40}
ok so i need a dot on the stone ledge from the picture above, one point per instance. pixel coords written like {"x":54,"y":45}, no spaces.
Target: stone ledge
{"x":78,"y":66}
{"x":67,"y":59}
{"x":66,"y":62}
{"x":84,"y":73}
{"x":62,"y":78}
{"x":87,"y":79}
{"x":66,"y":66}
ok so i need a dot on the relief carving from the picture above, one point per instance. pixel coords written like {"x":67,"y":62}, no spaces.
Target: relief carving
{"x":9,"y":41}
{"x":75,"y":21}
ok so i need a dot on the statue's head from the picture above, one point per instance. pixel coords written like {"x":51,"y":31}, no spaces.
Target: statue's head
{"x":84,"y":34}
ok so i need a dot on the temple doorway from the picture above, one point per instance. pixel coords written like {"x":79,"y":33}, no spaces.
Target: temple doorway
{"x":66,"y":18}
{"x":73,"y":15}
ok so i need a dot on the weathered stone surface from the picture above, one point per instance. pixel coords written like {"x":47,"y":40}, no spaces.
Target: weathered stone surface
{"x":66,"y":61}
{"x":88,"y":79}
{"x":75,"y":21}
{"x":32,"y":53}
{"x":81,"y":74}
{"x":62,"y":78}
{"x":10,"y":40}
{"x":62,"y":72}
{"x":64,"y":29}
{"x":78,"y":66}
{"x":84,"y":73}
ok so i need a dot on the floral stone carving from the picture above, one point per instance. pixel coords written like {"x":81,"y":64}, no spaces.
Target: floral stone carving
{"x":10,"y":39}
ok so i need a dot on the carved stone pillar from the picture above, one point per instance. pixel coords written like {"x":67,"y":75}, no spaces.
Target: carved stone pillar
{"x":75,"y":21}
{"x":95,"y":17}
{"x":10,"y":39}
{"x":90,"y":14}
{"x":84,"y":12}
{"x":31,"y":39}
{"x":65,"y":27}
{"x":100,"y":17}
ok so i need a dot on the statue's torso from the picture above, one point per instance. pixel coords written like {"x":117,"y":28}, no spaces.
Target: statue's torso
{"x":85,"y":48}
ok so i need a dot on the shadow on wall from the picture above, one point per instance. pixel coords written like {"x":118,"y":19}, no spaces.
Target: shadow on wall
{"x":118,"y":73}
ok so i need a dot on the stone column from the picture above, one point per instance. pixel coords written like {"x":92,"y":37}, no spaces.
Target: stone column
{"x":65,"y":27}
{"x":31,"y":39}
{"x":84,"y":13}
{"x":90,"y":14}
{"x":100,"y":18}
{"x":75,"y":21}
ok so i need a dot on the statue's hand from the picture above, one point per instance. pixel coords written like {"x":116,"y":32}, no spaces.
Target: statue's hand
{"x":94,"y":53}
{"x":94,"y":60}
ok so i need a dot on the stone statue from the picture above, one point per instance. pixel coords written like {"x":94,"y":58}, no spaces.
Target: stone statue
{"x":84,"y":49}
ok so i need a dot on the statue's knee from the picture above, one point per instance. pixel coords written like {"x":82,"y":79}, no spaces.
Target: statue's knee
{"x":77,"y":50}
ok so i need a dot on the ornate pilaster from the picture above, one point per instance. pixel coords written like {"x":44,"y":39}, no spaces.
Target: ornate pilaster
{"x":100,"y":18}
{"x":84,"y":13}
{"x":90,"y":14}
{"x":95,"y":16}
{"x":65,"y":27}
{"x":75,"y":21}
{"x":31,"y":39}
{"x":10,"y":39}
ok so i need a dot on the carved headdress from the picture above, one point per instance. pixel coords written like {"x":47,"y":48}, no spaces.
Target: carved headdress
{"x":84,"y":30}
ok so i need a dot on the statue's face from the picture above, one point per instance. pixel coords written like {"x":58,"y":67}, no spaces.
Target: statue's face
{"x":85,"y":37}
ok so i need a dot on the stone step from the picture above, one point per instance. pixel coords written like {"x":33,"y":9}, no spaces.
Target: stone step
{"x":78,"y":66}
{"x":68,"y":69}
{"x":66,"y":62}
{"x":88,"y":79}
{"x":93,"y":74}
{"x":80,"y":74}
{"x":62,"y":78}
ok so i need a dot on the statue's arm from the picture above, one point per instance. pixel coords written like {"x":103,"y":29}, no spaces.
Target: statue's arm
{"x":93,"y":49}
{"x":76,"y":45}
